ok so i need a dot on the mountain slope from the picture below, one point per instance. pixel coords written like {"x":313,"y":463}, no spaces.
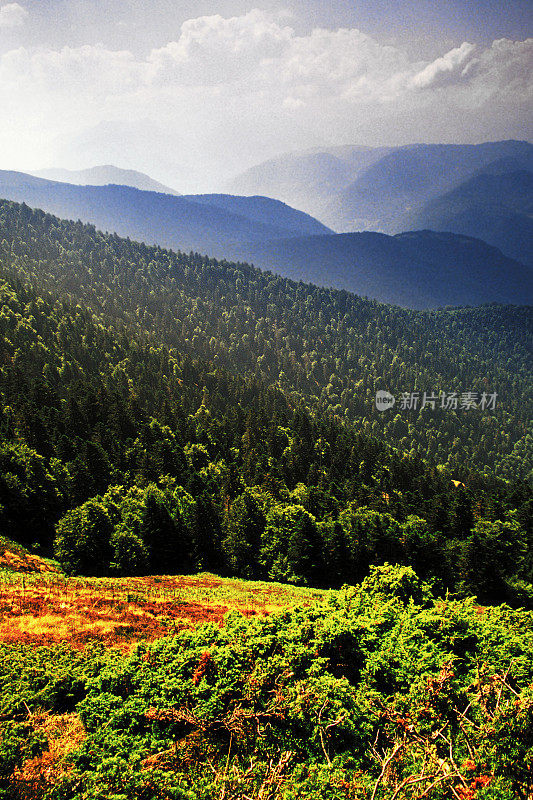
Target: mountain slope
{"x":422,"y":272}
{"x":103,"y":175}
{"x":325,"y":348}
{"x":421,"y":269}
{"x":494,"y":205}
{"x":384,"y":196}
{"x":265,"y":211}
{"x":157,"y":218}
{"x":357,"y":188}
{"x":308,"y":180}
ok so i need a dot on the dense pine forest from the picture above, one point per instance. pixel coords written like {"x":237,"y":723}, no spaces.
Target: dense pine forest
{"x":164,"y":412}
{"x":266,"y":408}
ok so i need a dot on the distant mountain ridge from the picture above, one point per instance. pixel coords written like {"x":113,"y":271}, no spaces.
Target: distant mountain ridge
{"x":385,"y":195}
{"x":103,"y":175}
{"x":496,"y":206}
{"x":420,"y":269}
{"x":308,"y":180}
{"x":383,"y":189}
{"x":156,"y":218}
{"x":265,"y":211}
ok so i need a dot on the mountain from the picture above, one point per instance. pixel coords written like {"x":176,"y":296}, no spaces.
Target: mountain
{"x":358,"y":188}
{"x":249,"y":352}
{"x":420,"y":269}
{"x":161,"y":219}
{"x":165,"y":414}
{"x":385,"y":195}
{"x":101,"y":176}
{"x":495,"y":205}
{"x":310,"y":179}
{"x":264,"y":211}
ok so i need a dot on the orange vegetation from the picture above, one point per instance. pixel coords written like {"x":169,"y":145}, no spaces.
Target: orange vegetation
{"x":23,"y":562}
{"x":49,"y":608}
{"x":64,"y":734}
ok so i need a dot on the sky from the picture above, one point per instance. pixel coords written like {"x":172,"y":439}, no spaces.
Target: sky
{"x":195,"y":91}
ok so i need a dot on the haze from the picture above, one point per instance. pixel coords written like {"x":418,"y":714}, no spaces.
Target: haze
{"x":195,"y":92}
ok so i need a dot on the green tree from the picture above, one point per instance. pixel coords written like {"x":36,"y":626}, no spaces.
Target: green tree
{"x":245,"y":525}
{"x":371,"y":538}
{"x":164,"y":533}
{"x":30,"y":500}
{"x":83,"y":539}
{"x":423,"y":549}
{"x":290,"y":550}
{"x":491,"y":557}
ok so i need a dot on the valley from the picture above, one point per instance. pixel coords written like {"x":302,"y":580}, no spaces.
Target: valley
{"x":225,"y":571}
{"x":266,"y":407}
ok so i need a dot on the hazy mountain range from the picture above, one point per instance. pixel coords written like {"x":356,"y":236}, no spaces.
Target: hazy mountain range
{"x":191,"y":223}
{"x":477,"y":198}
{"x":310,"y":179}
{"x":419,"y":269}
{"x":497,"y":207}
{"x":101,"y":176}
{"x":481,"y":190}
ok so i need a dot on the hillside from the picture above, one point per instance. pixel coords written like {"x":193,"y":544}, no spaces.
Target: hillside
{"x":329,"y":347}
{"x":308,"y":700}
{"x":495,"y":205}
{"x":103,"y":175}
{"x":264,"y":211}
{"x":308,"y":180}
{"x":379,"y":189}
{"x":157,"y":218}
{"x":164,"y":413}
{"x":420,"y":269}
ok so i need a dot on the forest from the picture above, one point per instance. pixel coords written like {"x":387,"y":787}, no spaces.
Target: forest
{"x":167,"y":414}
{"x":146,"y":424}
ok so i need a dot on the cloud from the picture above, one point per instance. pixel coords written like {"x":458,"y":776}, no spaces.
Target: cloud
{"x":256,"y":50}
{"x":92,"y":70}
{"x":506,"y":68}
{"x":235,"y":90}
{"x":450,"y":68}
{"x":12,"y":15}
{"x":215,"y":49}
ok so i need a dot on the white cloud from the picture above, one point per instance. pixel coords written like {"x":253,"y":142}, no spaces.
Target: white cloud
{"x":507,"y":68}
{"x":215,"y":49}
{"x":450,"y":68}
{"x":339,"y":59}
{"x":236,"y":90}
{"x":12,"y":15}
{"x":93,"y":70}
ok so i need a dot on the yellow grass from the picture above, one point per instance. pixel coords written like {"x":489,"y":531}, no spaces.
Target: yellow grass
{"x":64,"y":733}
{"x":45,"y":608}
